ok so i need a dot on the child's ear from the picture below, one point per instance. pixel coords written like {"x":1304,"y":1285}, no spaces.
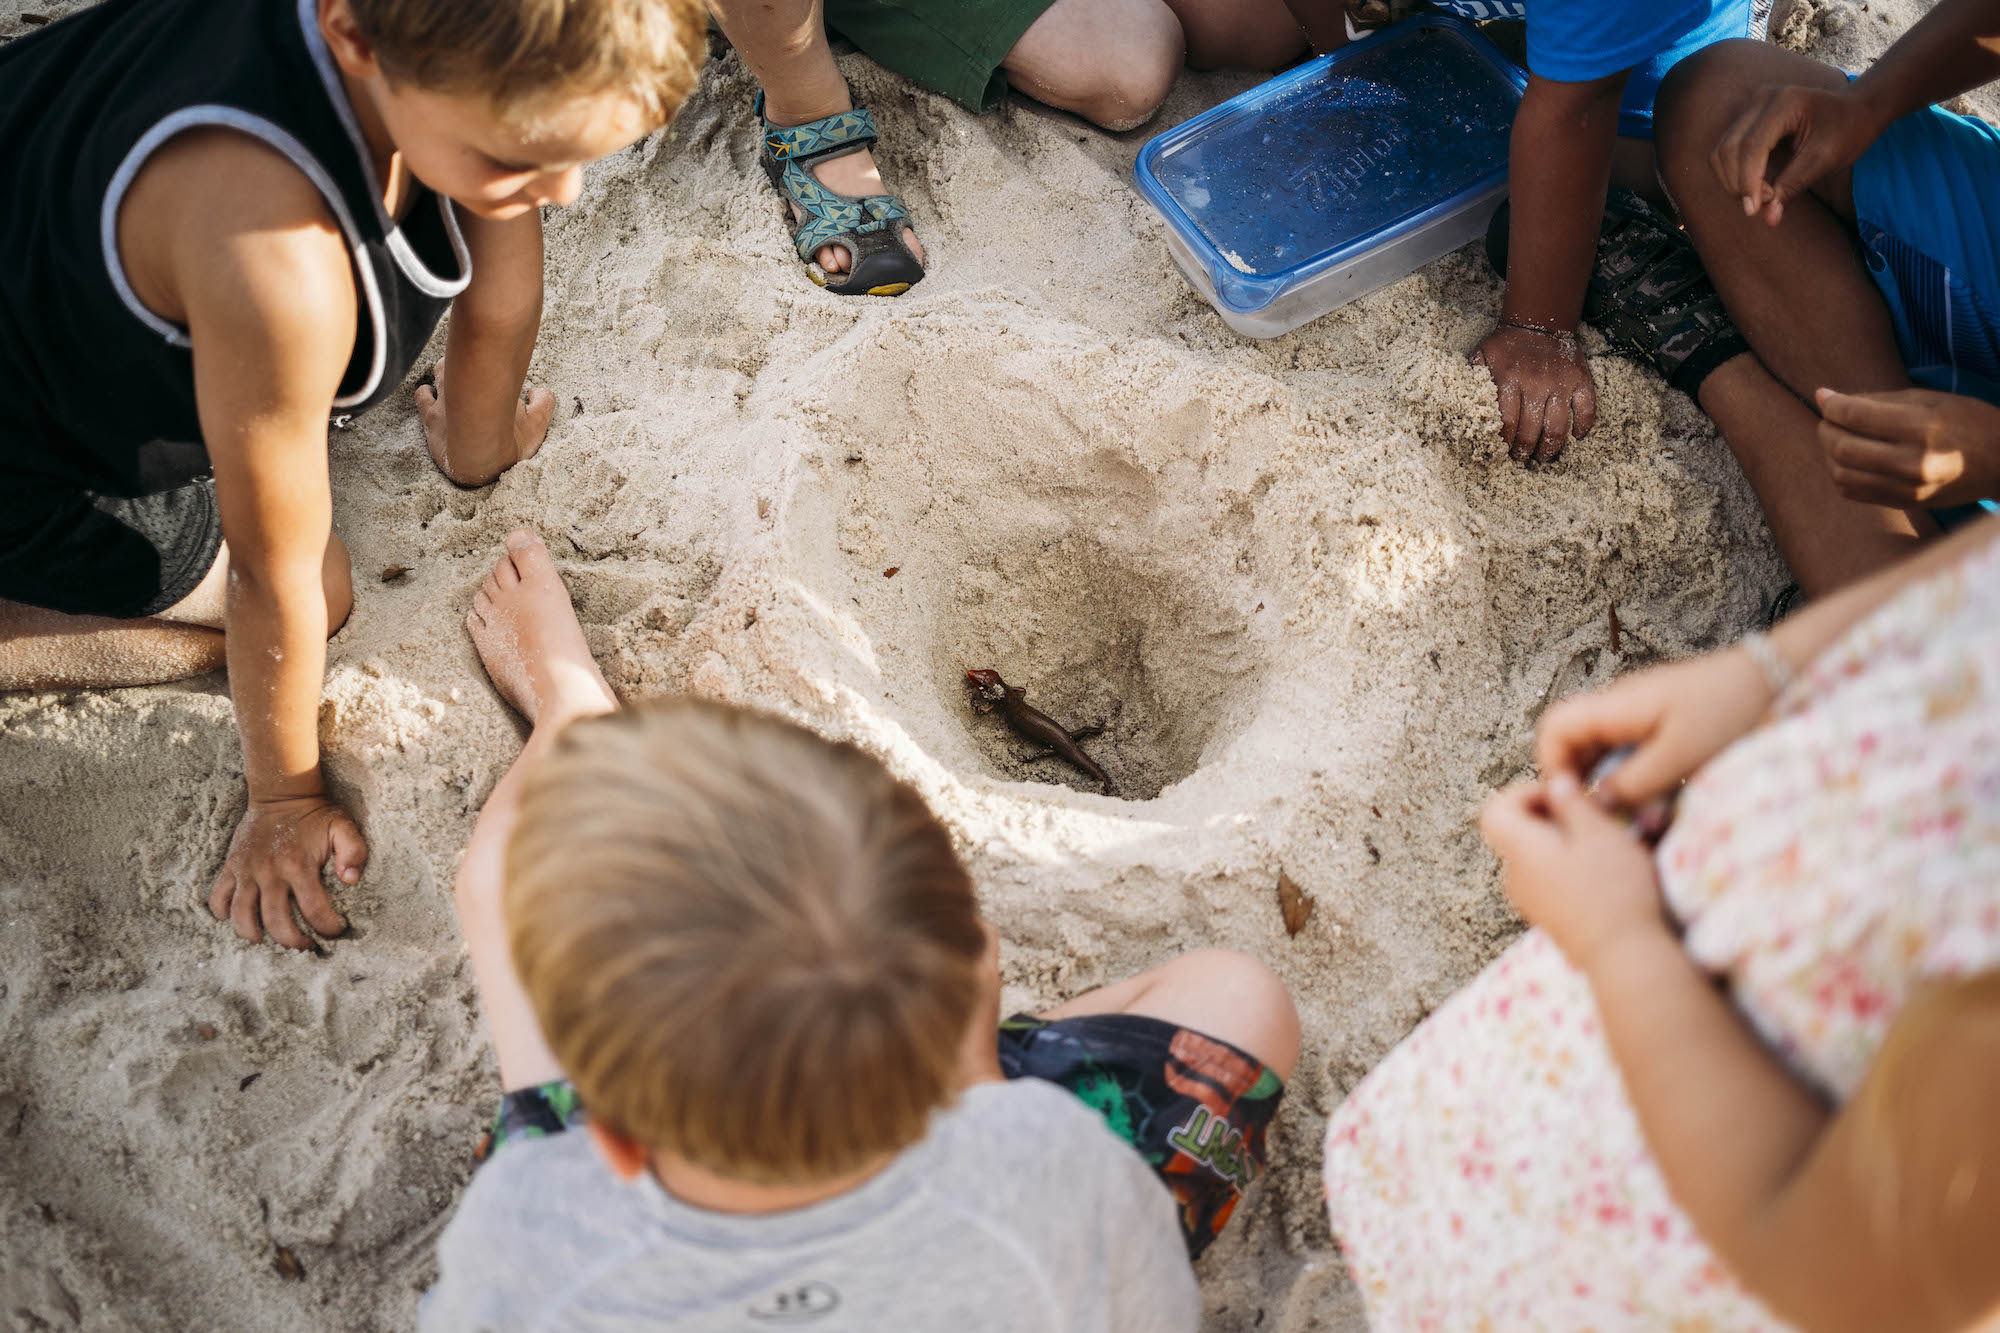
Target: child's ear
{"x":626,"y":1157}
{"x":350,"y":50}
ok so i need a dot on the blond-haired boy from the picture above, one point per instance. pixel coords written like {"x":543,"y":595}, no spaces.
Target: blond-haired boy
{"x":224,"y":221}
{"x":758,"y":958}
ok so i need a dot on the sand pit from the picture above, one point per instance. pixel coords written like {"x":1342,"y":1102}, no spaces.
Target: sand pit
{"x":1316,"y":607}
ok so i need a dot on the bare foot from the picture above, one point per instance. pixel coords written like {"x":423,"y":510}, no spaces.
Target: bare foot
{"x":528,"y":637}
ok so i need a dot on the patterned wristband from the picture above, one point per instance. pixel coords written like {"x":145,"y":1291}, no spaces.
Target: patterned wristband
{"x":1777,"y":672}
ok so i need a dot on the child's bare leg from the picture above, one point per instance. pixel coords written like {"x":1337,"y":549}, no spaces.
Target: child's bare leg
{"x":47,"y":650}
{"x":1239,"y":34}
{"x":1218,"y":992}
{"x":533,"y":649}
{"x":784,"y":44}
{"x":1110,"y":61}
{"x":1806,"y":306}
{"x":1635,"y":166}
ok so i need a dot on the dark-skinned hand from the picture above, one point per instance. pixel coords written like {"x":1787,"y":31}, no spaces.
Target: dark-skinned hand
{"x":1910,"y":447}
{"x":1824,"y":129}
{"x":1546,"y":390}
{"x":274,"y":861}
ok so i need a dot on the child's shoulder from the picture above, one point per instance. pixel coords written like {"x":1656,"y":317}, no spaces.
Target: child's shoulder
{"x":214,"y":205}
{"x":1037,"y":1143}
{"x":538,"y":1215}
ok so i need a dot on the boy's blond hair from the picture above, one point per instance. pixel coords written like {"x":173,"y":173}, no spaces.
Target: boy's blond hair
{"x":748,"y":946}
{"x":518,"y":51}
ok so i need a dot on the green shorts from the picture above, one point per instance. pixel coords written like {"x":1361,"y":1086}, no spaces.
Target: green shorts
{"x":952,"y":48}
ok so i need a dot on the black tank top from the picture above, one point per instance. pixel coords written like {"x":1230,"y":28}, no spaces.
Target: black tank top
{"x":96,"y":390}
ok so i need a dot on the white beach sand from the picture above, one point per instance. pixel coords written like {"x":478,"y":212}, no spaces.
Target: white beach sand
{"x":1318,"y":606}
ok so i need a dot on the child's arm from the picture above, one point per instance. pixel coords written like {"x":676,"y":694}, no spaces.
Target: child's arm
{"x":258,"y":271}
{"x":519,"y":1047}
{"x":1682,"y":715}
{"x":1560,"y":170}
{"x":1773,"y":1182}
{"x":477,"y":423}
{"x":1954,"y":48}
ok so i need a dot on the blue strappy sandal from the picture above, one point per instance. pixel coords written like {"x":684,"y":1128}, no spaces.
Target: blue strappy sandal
{"x":869,"y":229}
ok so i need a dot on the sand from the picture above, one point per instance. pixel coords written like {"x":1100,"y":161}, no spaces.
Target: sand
{"x":1317,"y":607}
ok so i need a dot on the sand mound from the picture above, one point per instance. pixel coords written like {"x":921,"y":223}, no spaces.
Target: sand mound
{"x":1315,"y":606}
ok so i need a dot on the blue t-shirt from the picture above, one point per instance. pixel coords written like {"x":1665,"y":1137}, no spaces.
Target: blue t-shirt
{"x":1574,"y":41}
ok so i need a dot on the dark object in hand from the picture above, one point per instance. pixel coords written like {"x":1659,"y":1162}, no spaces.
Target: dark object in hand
{"x":1650,"y":820}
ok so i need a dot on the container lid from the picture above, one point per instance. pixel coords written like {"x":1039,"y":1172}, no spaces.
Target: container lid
{"x":1337,"y":158}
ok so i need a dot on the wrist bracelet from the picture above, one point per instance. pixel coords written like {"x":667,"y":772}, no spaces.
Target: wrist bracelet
{"x":1777,"y":672}
{"x":1560,"y":335}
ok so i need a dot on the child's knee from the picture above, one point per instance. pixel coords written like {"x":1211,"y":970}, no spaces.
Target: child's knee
{"x":1700,"y":98}
{"x":1269,"y":1015}
{"x":337,"y":577}
{"x":1244,"y":1003}
{"x":1132,"y":87}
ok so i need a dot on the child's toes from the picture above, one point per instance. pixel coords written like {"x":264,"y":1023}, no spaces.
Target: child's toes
{"x":482,"y":606}
{"x":474,"y":622}
{"x":530,"y":557}
{"x":504,"y":573}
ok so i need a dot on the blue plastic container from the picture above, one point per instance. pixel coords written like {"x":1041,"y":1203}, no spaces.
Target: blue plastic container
{"x":1338,"y":177}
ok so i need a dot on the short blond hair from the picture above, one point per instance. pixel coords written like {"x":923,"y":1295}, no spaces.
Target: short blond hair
{"x":517,"y":51}
{"x":747,"y":945}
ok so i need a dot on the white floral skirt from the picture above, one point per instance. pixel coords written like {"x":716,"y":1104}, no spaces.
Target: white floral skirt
{"x":1490,"y":1174}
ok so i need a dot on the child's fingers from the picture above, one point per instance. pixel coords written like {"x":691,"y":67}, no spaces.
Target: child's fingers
{"x":1900,"y":415}
{"x":1808,"y":163}
{"x":275,"y":900}
{"x":350,"y":852}
{"x":1575,"y":733}
{"x":243,"y":909}
{"x":1726,"y":159}
{"x":1576,"y":813}
{"x":1510,"y":417}
{"x":1555,"y":427}
{"x":1533,"y":414}
{"x":1583,"y":410}
{"x":1654,"y":769}
{"x":1873,"y":488}
{"x":1515,"y":821}
{"x":316,"y":908}
{"x":224,"y":892}
{"x":1865,"y":453}
{"x":1779,"y":118}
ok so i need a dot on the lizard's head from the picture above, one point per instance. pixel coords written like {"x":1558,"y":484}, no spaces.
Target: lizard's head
{"x":987,"y":687}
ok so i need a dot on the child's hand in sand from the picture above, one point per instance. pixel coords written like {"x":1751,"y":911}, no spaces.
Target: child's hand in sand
{"x":274,"y":860}
{"x":1546,"y":391}
{"x":1826,"y":130}
{"x":1572,"y":868}
{"x":1678,"y":717}
{"x":1910,"y":447}
{"x":498,"y":446}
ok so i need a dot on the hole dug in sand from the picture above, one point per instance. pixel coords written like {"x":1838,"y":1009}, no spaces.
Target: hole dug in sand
{"x":1099,"y":637}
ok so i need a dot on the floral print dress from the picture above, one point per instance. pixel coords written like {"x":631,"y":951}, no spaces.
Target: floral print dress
{"x":1490,"y":1173}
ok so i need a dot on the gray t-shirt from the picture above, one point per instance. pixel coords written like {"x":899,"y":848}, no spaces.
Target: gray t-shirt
{"x":1018,"y":1212}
